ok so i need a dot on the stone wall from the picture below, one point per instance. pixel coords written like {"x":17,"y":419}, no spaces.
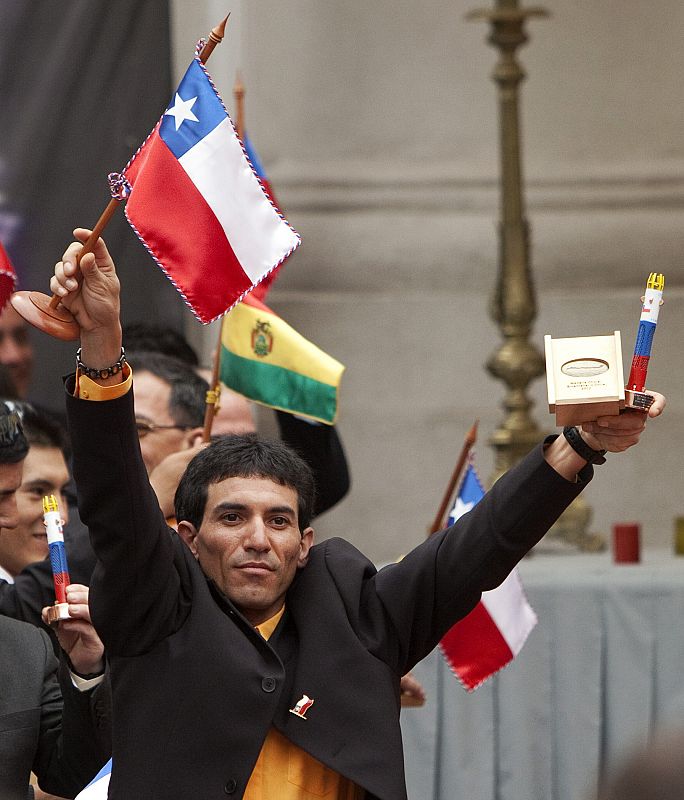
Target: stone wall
{"x":377,"y":125}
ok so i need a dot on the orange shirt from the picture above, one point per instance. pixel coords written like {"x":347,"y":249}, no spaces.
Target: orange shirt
{"x":287,"y":772}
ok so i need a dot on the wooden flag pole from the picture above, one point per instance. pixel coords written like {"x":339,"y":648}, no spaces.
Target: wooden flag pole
{"x":440,"y":518}
{"x":213,"y":401}
{"x":47,"y":313}
{"x":408,"y":700}
{"x":239,"y":95}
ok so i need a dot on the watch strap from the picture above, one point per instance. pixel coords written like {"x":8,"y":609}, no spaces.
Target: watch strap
{"x":575,"y":440}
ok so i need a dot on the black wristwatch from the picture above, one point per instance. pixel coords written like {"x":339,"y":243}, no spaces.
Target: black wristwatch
{"x":578,"y":444}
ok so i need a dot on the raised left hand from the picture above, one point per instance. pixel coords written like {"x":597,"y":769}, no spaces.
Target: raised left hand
{"x":618,"y":433}
{"x":77,"y":636}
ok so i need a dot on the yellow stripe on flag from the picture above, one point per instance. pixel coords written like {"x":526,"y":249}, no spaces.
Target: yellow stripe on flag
{"x":283,"y":347}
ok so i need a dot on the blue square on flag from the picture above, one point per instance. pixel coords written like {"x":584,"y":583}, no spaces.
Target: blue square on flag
{"x":469,"y":495}
{"x":194,"y":112}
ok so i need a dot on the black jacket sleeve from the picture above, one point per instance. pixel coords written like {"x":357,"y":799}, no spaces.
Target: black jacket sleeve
{"x":70,"y":751}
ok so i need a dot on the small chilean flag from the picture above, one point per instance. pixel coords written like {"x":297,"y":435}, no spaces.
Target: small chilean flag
{"x":493,"y":634}
{"x":196,"y":203}
{"x":98,"y":787}
{"x":8,"y":277}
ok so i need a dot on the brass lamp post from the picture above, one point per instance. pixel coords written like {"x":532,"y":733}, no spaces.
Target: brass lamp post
{"x":513,"y":307}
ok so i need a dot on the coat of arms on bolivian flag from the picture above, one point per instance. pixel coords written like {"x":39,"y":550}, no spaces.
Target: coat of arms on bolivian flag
{"x":266,"y":360}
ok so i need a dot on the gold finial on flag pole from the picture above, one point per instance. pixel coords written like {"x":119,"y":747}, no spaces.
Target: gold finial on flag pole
{"x":46,"y":313}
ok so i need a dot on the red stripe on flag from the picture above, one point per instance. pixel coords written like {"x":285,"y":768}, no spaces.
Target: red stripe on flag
{"x":170,"y":215}
{"x":474,"y":648}
{"x":8,"y":277}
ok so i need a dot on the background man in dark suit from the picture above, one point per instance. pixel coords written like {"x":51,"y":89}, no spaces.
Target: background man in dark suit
{"x":41,"y":730}
{"x":273,"y":664}
{"x":45,"y":472}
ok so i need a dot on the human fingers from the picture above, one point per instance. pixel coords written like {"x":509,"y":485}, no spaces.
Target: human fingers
{"x":615,"y":442}
{"x":77,"y":590}
{"x":70,"y":257}
{"x":614,"y":433}
{"x":658,"y":405}
{"x":79,"y":611}
{"x":99,"y":248}
{"x":64,"y":278}
{"x":77,"y":593}
{"x":628,"y":422}
{"x":409,"y":685}
{"x":74,"y":626}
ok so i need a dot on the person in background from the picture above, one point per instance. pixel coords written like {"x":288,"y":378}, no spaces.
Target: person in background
{"x":653,"y":772}
{"x":50,"y":714}
{"x":26,"y":585}
{"x":45,"y":472}
{"x":16,"y":350}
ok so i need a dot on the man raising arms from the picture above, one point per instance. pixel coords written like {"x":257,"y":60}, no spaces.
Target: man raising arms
{"x":246,"y":661}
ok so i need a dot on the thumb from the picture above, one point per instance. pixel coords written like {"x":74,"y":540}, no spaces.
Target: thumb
{"x":88,"y":267}
{"x":98,"y":248}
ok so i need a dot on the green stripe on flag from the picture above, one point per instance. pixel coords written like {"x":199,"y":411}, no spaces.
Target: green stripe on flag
{"x":279,"y":388}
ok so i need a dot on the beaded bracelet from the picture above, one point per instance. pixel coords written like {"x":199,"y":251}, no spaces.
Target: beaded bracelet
{"x":105,"y":372}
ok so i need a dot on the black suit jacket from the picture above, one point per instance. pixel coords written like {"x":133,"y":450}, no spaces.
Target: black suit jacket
{"x":196,"y":689}
{"x":39,"y":731}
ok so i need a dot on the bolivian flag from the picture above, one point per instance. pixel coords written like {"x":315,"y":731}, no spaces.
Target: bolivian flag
{"x":266,"y":360}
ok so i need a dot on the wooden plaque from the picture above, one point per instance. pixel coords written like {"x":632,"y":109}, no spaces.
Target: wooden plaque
{"x":584,"y":377}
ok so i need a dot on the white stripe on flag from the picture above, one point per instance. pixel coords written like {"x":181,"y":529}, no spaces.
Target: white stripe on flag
{"x":510,"y":611}
{"x":97,"y":788}
{"x":218,"y":168}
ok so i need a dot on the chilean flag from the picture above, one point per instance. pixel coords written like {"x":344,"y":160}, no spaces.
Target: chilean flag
{"x":8,"y":277}
{"x":197,"y":205}
{"x":97,"y":789}
{"x":493,"y":634}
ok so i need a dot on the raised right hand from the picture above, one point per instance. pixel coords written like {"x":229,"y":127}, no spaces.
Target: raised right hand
{"x":92,"y":297}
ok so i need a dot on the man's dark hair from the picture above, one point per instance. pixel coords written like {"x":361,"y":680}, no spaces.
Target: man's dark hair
{"x":187,"y":401}
{"x":247,"y":456}
{"x":42,"y":429}
{"x":143,"y":336}
{"x":13,"y":444}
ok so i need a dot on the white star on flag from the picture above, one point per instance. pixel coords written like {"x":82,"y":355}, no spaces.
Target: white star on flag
{"x":460,"y":508}
{"x":182,"y":110}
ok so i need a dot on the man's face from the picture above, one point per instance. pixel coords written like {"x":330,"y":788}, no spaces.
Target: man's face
{"x":45,"y":472}
{"x":250,"y":544}
{"x":10,"y":480}
{"x":151,"y":397}
{"x":16,"y":351}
